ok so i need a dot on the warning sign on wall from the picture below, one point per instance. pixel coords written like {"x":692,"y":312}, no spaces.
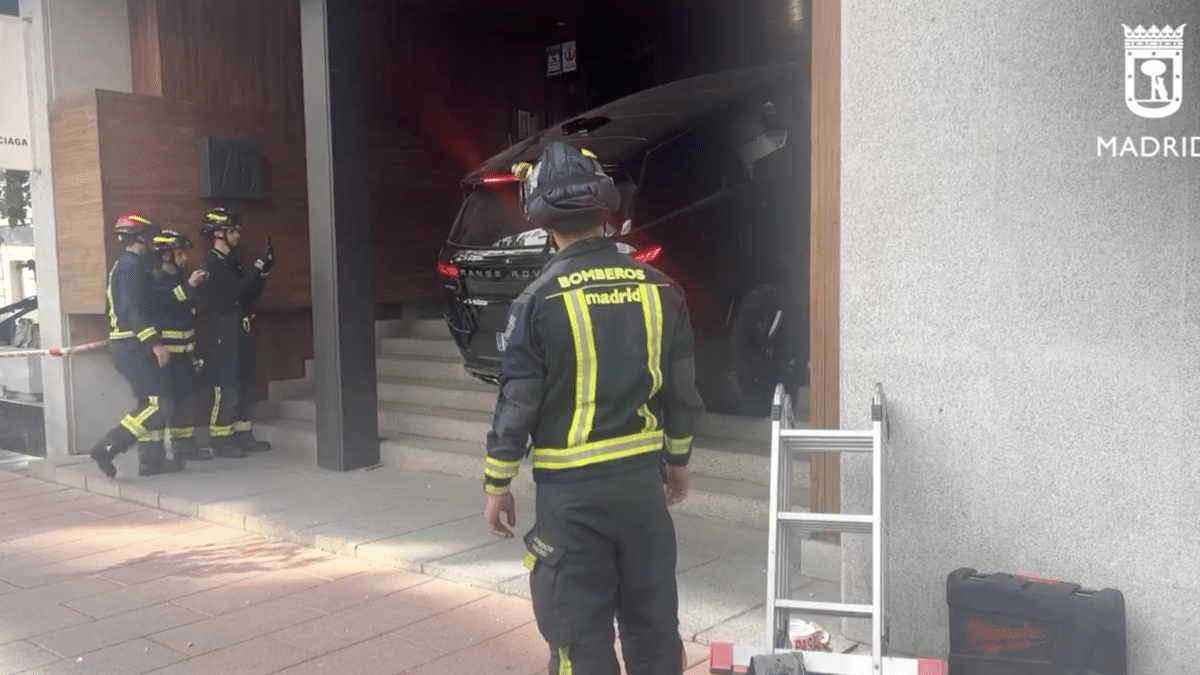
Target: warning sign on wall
{"x":14,"y":97}
{"x":568,"y":56}
{"x":554,"y":64}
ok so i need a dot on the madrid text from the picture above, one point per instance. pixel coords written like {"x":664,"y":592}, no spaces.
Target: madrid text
{"x":1148,"y":146}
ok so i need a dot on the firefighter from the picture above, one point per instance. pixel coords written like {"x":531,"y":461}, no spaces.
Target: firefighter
{"x":138,"y":353}
{"x":597,"y":371}
{"x":175,"y":313}
{"x":232,"y":294}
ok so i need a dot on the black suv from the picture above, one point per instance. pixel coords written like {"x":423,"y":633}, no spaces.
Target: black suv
{"x":713,"y":176}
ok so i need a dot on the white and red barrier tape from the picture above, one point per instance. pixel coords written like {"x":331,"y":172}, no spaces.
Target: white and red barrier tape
{"x":53,"y":351}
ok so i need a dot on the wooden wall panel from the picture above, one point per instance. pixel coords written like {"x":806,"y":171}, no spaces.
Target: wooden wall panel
{"x":144,"y":47}
{"x":826,"y":245}
{"x":148,"y":159}
{"x":79,"y":204}
{"x":241,"y":53}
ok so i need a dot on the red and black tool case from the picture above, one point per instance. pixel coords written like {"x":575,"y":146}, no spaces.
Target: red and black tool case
{"x":1005,"y":624}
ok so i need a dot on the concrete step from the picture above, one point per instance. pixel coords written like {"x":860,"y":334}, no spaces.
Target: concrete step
{"x":713,"y":498}
{"x":716,"y":458}
{"x":428,"y":328}
{"x":419,"y":347}
{"x":425,"y":368}
{"x":474,"y":396}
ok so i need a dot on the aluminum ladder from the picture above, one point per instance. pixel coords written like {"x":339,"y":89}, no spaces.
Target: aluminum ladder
{"x":787,"y":442}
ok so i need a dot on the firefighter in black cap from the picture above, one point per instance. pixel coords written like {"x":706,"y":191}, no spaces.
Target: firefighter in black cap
{"x":138,"y":353}
{"x":232,"y":294}
{"x":175,"y":316}
{"x":597,"y":371}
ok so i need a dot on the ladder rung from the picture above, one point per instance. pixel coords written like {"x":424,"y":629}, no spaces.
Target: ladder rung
{"x":828,"y":522}
{"x":827,"y":608}
{"x":808,"y":440}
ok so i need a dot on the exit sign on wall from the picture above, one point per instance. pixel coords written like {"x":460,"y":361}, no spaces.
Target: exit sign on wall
{"x":230,"y":169}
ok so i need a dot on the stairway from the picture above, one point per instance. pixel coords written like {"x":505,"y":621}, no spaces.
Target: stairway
{"x":434,"y":416}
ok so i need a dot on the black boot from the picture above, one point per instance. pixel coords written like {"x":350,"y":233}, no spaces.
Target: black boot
{"x":246,"y":441}
{"x":225,"y":447}
{"x":103,"y":453}
{"x":186,"y":448}
{"x":152,"y":460}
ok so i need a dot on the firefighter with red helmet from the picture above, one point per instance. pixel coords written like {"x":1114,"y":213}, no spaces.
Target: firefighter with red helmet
{"x":138,"y":353}
{"x":175,"y":316}
{"x":232,"y":293}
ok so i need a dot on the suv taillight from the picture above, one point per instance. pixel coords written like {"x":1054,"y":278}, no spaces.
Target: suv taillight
{"x":647,"y":255}
{"x":447,"y":270}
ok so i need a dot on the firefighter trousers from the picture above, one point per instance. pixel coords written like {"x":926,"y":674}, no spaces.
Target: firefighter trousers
{"x":235,"y":391}
{"x":181,"y":424}
{"x":603,"y":549}
{"x":145,"y":423}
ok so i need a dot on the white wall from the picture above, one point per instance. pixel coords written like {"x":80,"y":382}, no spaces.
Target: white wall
{"x":74,"y":47}
{"x":1032,"y":310}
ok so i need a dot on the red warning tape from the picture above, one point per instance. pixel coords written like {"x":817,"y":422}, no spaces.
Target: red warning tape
{"x":54,"y":351}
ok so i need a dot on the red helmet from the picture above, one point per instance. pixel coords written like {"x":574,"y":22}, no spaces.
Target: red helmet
{"x":133,"y":227}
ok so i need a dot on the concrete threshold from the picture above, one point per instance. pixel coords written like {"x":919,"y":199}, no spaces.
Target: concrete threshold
{"x":432,"y":523}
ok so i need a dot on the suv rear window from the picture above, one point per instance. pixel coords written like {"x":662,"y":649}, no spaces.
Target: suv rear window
{"x":492,"y":213}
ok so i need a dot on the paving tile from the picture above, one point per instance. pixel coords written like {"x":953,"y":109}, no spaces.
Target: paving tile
{"x":522,"y":651}
{"x":238,"y":626}
{"x":115,"y":508}
{"x":356,"y":589}
{"x":9,"y":519}
{"x":382,"y":655}
{"x":42,"y":504}
{"x":718,"y":591}
{"x":128,"y":658}
{"x":21,"y":624}
{"x":432,"y":543}
{"x":490,"y":565}
{"x":137,"y":596}
{"x":64,"y":507}
{"x":470,"y":624}
{"x":97,"y":635}
{"x":442,"y":595}
{"x":385,"y":524}
{"x":16,"y":657}
{"x":252,"y":591}
{"x":259,"y":656}
{"x":334,"y":567}
{"x":60,"y":593}
{"x":358,"y":623}
{"x":26,"y":528}
{"x":7,"y":588}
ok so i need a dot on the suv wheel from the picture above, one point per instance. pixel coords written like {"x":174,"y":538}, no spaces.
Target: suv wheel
{"x":760,"y":352}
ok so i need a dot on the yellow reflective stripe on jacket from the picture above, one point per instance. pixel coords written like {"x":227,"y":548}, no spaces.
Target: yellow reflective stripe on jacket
{"x":180,"y":294}
{"x":147,"y":333}
{"x":242,"y":427}
{"x":597,"y":451}
{"x":585,"y":367}
{"x":652,"y":313}
{"x":113,"y":332}
{"x":564,"y":661}
{"x":182,"y":349}
{"x":178,"y":334}
{"x":496,"y":489}
{"x":120,"y":335}
{"x":499,"y":468}
{"x":679,"y":446}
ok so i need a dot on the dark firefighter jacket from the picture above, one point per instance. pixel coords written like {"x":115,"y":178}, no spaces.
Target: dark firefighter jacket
{"x":128,"y":300}
{"x":174,"y":310}
{"x":597,"y":368}
{"x":230,"y":290}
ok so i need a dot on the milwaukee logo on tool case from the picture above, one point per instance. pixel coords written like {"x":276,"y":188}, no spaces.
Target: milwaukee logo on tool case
{"x":985,"y":637}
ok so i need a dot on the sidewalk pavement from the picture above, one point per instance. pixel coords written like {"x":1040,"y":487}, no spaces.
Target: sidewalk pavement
{"x":431,"y":523}
{"x":95,"y":585}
